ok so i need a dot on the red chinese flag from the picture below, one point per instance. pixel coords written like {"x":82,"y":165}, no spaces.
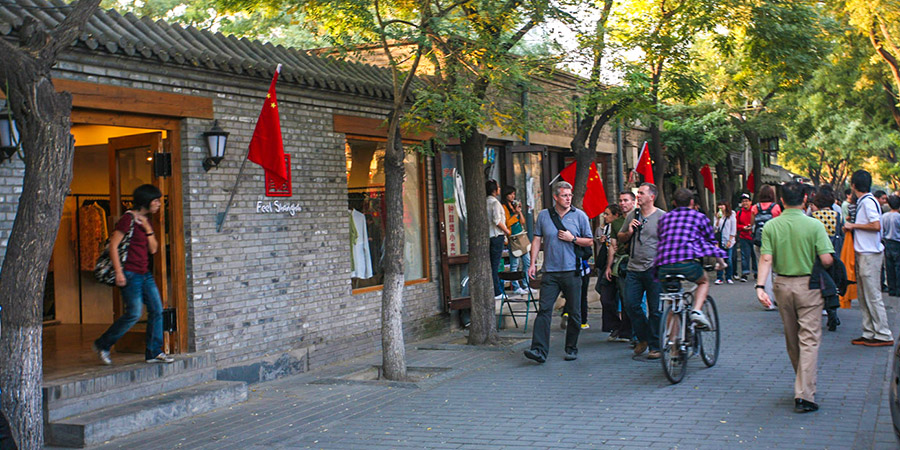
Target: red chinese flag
{"x":594,"y":195}
{"x":266,"y":147}
{"x":751,"y":183}
{"x":708,"y":179}
{"x":644,"y":165}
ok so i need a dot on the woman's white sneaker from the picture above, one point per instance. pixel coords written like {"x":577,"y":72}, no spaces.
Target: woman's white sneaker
{"x":161,"y":358}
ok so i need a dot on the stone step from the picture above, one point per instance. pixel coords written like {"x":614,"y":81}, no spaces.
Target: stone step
{"x":102,"y":425}
{"x":119,"y":385}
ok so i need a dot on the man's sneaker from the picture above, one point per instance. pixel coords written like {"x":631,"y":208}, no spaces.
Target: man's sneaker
{"x":585,"y":326}
{"x":161,"y":358}
{"x":571,"y":356}
{"x":498,"y":297}
{"x":700,"y":320}
{"x":729,"y":281}
{"x":859,"y":341}
{"x":878,"y":343}
{"x":804,"y":406}
{"x":621,"y":339}
{"x":521,"y":291}
{"x":743,"y":278}
{"x":563,"y":321}
{"x":103,"y":354}
{"x":533,"y":355}
{"x":718,"y":282}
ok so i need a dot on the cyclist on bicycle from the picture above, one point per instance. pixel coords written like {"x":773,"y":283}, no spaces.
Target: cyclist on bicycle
{"x":686,"y":235}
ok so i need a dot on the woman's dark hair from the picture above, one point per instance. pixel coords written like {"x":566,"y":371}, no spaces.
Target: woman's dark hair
{"x":824,"y":197}
{"x":144,"y":194}
{"x":727,"y":208}
{"x":490,"y":186}
{"x":614,"y":209}
{"x":505,"y":193}
{"x":766,"y":194}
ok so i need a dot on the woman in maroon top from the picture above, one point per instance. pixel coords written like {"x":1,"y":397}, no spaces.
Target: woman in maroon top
{"x":134,"y":277}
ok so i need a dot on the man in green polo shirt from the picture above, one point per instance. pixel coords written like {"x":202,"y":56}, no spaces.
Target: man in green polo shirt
{"x":790,"y":244}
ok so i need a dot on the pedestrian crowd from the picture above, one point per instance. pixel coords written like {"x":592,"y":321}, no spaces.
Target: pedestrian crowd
{"x":809,"y":251}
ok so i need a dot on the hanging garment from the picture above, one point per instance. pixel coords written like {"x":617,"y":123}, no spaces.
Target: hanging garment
{"x":361,"y":255}
{"x":460,"y":197}
{"x":92,"y":233}
{"x":354,"y":236}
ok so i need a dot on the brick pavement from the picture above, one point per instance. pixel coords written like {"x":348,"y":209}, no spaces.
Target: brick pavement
{"x":606,"y":399}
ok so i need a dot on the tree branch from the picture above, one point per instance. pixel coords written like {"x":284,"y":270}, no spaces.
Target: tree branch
{"x":68,"y":30}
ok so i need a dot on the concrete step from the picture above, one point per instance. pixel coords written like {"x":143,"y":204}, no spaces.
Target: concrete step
{"x":119,"y":385}
{"x":101,"y":425}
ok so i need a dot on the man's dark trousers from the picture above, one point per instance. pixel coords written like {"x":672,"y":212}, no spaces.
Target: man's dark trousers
{"x":645,"y":329}
{"x":496,"y":256}
{"x":6,"y":439}
{"x":552,"y":283}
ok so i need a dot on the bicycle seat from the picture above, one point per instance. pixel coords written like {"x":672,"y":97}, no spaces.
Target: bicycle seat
{"x":672,"y":283}
{"x":673,"y":278}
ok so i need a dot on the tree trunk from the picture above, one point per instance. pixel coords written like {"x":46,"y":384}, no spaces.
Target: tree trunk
{"x":583,"y":157}
{"x":756,"y":156}
{"x":48,"y":147}
{"x":726,"y":183}
{"x":482,"y":330}
{"x":393,"y":351}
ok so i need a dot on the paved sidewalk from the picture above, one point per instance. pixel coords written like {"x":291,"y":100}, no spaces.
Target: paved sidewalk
{"x":606,"y":399}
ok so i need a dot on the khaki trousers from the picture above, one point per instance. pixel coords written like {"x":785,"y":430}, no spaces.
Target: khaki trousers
{"x":868,"y":283}
{"x":801,"y":312}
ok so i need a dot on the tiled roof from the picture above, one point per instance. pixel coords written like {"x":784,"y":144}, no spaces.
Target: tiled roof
{"x":163,"y":43}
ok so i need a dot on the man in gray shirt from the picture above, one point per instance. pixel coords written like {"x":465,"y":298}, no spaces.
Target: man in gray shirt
{"x":561,"y":270}
{"x":640,"y":228}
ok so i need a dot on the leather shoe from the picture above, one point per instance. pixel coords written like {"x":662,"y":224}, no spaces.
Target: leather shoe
{"x":571,"y":356}
{"x":859,"y":341}
{"x":804,"y":406}
{"x":640,"y":347}
{"x":533,"y":355}
{"x":654,"y":354}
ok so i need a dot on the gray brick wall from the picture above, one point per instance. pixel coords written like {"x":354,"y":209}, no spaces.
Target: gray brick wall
{"x":268,"y":283}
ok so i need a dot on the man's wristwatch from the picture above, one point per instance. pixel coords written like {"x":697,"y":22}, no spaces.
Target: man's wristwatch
{"x":759,"y":286}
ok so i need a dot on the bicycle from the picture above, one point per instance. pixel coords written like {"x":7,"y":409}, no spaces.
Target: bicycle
{"x":679,"y":338}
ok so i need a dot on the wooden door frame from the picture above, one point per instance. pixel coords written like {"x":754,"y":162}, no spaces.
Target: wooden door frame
{"x":172,"y":145}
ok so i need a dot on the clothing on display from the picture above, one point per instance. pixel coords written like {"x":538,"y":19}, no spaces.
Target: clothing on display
{"x":91,"y":234}
{"x":361,"y":255}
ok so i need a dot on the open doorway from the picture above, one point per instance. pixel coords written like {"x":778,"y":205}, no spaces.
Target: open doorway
{"x":109,"y":162}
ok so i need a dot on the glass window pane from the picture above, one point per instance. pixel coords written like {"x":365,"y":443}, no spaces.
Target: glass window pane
{"x":527,"y":181}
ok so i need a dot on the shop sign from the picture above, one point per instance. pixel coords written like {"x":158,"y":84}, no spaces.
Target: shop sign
{"x":277,"y":207}
{"x":452,"y":229}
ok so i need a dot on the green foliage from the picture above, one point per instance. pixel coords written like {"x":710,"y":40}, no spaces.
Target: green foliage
{"x":701,"y":134}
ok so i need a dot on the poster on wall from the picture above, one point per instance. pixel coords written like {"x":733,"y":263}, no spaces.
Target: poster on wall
{"x":452,"y":229}
{"x":277,"y":187}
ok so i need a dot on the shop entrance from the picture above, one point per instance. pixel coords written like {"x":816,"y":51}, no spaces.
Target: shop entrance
{"x":110,"y":162}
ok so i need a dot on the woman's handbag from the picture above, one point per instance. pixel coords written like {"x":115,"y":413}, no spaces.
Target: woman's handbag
{"x":519,"y":244}
{"x":103,"y":269}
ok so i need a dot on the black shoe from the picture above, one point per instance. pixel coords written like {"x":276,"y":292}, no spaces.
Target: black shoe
{"x":804,"y":406}
{"x":570,"y":356}
{"x":533,"y":355}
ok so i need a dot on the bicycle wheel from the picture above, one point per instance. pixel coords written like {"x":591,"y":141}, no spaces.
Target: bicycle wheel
{"x":709,"y":339}
{"x":673,"y":358}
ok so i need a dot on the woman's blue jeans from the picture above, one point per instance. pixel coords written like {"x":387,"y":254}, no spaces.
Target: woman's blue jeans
{"x":729,"y":271}
{"x":139,"y":288}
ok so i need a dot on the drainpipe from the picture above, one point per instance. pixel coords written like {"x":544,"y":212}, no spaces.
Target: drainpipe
{"x":525,"y":113}
{"x":620,"y":166}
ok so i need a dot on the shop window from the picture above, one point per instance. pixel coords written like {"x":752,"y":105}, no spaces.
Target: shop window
{"x":365,"y":195}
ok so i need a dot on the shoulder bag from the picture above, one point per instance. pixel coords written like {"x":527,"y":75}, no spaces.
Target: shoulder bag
{"x":103,"y":269}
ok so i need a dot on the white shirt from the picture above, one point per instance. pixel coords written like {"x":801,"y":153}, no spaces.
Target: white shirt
{"x":729,"y":230}
{"x":495,"y":215}
{"x":867,"y":211}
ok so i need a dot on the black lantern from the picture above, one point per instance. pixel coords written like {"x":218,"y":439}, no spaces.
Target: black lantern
{"x":215,"y":143}
{"x":9,"y":135}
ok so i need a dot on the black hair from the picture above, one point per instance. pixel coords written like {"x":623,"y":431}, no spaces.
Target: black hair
{"x":144,"y":195}
{"x":879,"y":193}
{"x":894,"y":202}
{"x":847,"y":191}
{"x":792,"y":193}
{"x":683,"y":197}
{"x":490,"y":186}
{"x":861,"y":180}
{"x":824,"y":197}
{"x":629,"y":193}
{"x":504,"y":193}
{"x":617,"y":210}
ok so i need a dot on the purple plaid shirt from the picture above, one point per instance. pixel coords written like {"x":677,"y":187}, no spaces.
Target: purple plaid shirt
{"x":685,"y":234}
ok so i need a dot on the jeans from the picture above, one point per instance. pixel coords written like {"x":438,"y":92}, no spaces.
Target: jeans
{"x":138,"y":288}
{"x":496,"y":255}
{"x":514,"y":266}
{"x":6,"y":438}
{"x":728,"y":273}
{"x":644,"y":329}
{"x":892,"y":264}
{"x":552,"y":283}
{"x":748,"y":259}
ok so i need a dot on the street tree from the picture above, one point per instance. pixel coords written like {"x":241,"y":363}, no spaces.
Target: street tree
{"x":43,"y":118}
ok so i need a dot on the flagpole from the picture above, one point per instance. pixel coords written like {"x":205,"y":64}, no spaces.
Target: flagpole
{"x":220,"y":217}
